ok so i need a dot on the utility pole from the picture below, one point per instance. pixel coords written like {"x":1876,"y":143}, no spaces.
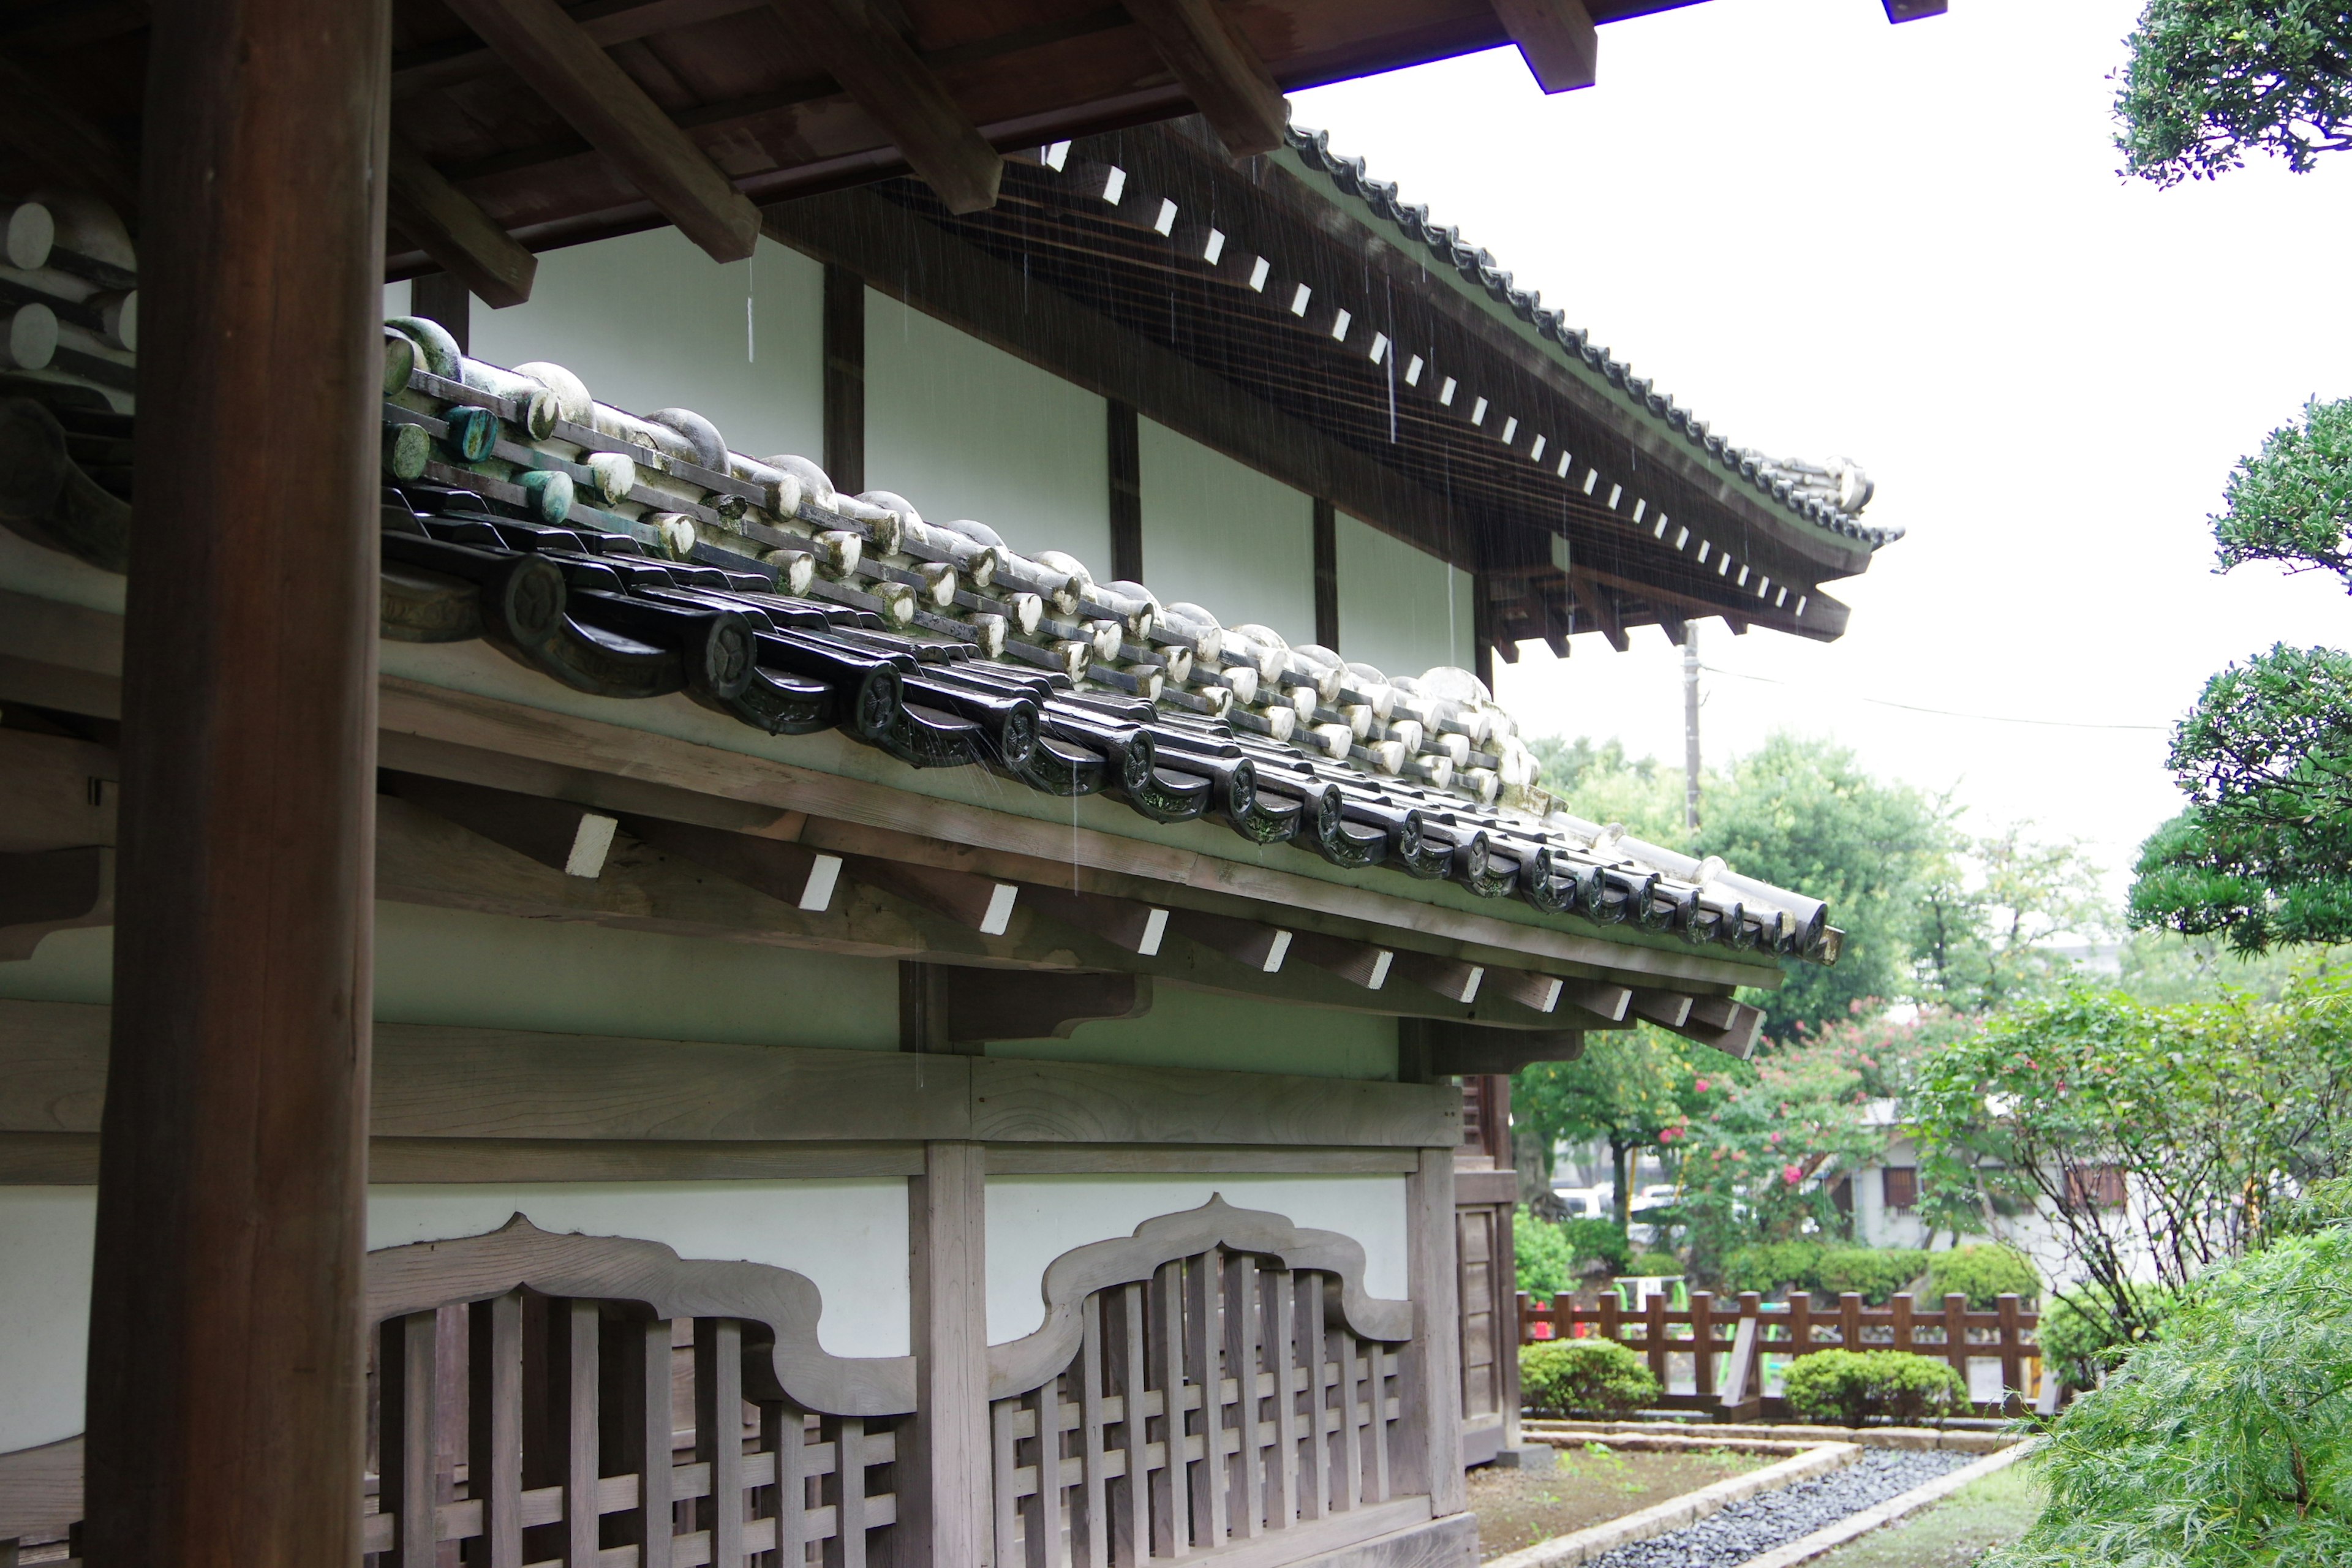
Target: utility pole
{"x":1690,"y":725}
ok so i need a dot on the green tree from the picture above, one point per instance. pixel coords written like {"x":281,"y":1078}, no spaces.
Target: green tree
{"x":2210,"y":80}
{"x":1984,"y":918}
{"x":1627,"y":1087}
{"x":1600,"y":783}
{"x":1800,"y":812}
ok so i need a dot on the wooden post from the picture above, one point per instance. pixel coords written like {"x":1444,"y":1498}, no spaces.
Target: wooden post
{"x":1956,"y":1333}
{"x":2012,"y":1350}
{"x":844,"y":380}
{"x":1124,"y":440}
{"x":1800,"y":1324}
{"x":1850,"y":1322}
{"x":1327,"y":575}
{"x":1702,"y":1317}
{"x":1905,"y":1334}
{"x":439,"y":297}
{"x":225,"y":1389}
{"x":1431,"y":1373}
{"x":1654,"y":1330}
{"x":946,"y":1501}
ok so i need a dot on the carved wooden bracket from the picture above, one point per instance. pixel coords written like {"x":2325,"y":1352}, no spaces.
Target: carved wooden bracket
{"x":51,"y":890}
{"x":1467,"y":1050}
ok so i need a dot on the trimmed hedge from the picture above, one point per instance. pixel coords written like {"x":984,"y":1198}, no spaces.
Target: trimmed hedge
{"x":1876,"y":1272}
{"x":1545,"y":1262}
{"x":1650,"y":1264}
{"x":1850,"y":1386}
{"x":1984,"y":1274}
{"x":1584,"y":1377}
{"x":1599,"y":1241}
{"x":1765,"y":1266}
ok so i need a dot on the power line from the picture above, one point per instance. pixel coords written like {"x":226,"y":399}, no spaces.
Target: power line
{"x":1951,"y":714}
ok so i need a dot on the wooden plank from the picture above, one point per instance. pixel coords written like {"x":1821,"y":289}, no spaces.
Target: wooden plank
{"x":408,"y":1422}
{"x":944,"y":1507}
{"x":878,"y":69}
{"x":580,"y":82}
{"x":1556,"y":38}
{"x":451,"y":227}
{"x":226,"y":1413}
{"x":459,"y":1083}
{"x":1221,"y":72}
{"x":1146,"y":1159}
{"x":1090,"y":1502}
{"x":1429,"y":1459}
{"x":1076,"y":1102}
{"x":494,"y":1425}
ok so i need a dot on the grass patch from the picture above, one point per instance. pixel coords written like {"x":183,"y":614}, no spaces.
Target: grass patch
{"x":1955,"y":1533}
{"x":1594,"y":1483}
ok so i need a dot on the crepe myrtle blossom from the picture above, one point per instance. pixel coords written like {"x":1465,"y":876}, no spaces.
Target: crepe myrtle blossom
{"x":1792,"y":1174}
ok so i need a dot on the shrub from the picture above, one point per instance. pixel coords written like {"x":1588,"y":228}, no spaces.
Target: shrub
{"x":1849,"y":1386}
{"x":2079,"y":1335}
{"x":1653,"y":1263}
{"x":1984,"y":1274}
{"x":2226,"y":1441}
{"x":1599,"y":1241}
{"x":1876,"y":1272}
{"x":1547,"y":1263}
{"x":1584,"y":1377}
{"x":1765,"y":1266}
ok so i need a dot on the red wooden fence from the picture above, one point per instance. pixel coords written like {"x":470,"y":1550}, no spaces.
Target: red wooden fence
{"x":1742,"y":1335}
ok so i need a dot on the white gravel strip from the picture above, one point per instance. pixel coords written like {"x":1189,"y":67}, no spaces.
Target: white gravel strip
{"x":1676,"y":1513}
{"x":1821,"y":1542}
{"x":1962,"y":1440}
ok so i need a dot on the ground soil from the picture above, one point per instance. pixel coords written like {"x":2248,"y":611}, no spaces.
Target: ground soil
{"x":1592,"y":1484}
{"x":1956,"y":1532}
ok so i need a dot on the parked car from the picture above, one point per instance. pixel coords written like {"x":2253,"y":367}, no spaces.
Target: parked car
{"x":1585,"y":1203}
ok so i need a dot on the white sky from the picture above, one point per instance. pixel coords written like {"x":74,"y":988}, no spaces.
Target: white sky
{"x":1909,"y":244}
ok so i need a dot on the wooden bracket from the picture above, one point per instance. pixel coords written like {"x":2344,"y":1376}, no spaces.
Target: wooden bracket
{"x":985,"y":1004}
{"x":1261,"y":947}
{"x":1219,"y":69}
{"x":800,"y":877}
{"x":51,"y":890}
{"x":1362,"y":962}
{"x":1123,"y":922}
{"x":1667,"y":1009}
{"x":1458,"y":1050}
{"x":1599,"y":997}
{"x":1449,"y":977}
{"x":571,"y":838}
{"x":1722,"y":1025}
{"x":982,"y":903}
{"x":56,"y":793}
{"x":580,"y":82}
{"x":1541,"y":992}
{"x":451,"y":227}
{"x":1557,"y":39}
{"x":890,"y":81}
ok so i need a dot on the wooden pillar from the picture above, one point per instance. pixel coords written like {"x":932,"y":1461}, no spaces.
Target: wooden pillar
{"x":844,"y":380}
{"x":439,"y":297}
{"x":945,"y":1501}
{"x":1327,"y":575}
{"x":1125,"y":443}
{"x":1431,"y":1459}
{"x":226,"y":1391}
{"x":1482,"y":630}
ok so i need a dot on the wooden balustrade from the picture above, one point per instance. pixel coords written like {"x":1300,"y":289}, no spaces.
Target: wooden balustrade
{"x":1727,"y":1345}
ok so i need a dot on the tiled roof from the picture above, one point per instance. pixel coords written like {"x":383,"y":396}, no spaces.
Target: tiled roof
{"x":623,"y":554}
{"x":1830,"y":496}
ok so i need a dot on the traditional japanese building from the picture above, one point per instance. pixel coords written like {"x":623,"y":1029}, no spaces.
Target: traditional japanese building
{"x":942,"y":850}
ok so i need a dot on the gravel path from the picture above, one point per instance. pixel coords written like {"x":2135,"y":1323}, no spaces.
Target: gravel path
{"x":1749,"y":1529}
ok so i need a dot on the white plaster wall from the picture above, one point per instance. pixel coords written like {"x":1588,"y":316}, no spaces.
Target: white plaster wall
{"x":1225,"y":537}
{"x":1401,"y":608}
{"x":649,"y":322}
{"x":848,"y":1237}
{"x":1031,"y":1220}
{"x":46,"y":1236}
{"x":962,"y":428}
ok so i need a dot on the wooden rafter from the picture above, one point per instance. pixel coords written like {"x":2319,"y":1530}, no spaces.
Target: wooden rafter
{"x":1220,"y":70}
{"x":451,"y":227}
{"x":1596,"y":602}
{"x":881,"y":71}
{"x":580,"y":81}
{"x":1556,"y":38}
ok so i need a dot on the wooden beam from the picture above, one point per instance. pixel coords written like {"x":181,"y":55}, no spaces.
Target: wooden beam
{"x":555,"y":833}
{"x":1557,"y":39}
{"x":1219,"y":69}
{"x":1363,"y":963}
{"x":227,"y":1408}
{"x":1667,"y":1009}
{"x":983,"y":903}
{"x":67,"y":145}
{"x":984,"y":1004}
{"x":791,"y":873}
{"x":1451,"y":978}
{"x":580,"y":82}
{"x":878,"y":69}
{"x":1722,"y":1025}
{"x":50,"y":890}
{"x":451,"y":227}
{"x":1596,"y":601}
{"x":1599,"y":997}
{"x":1467,"y":1050}
{"x":1247,"y":942}
{"x":1123,"y":922}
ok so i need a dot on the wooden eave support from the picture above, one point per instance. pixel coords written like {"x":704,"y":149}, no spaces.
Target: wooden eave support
{"x":1247,"y":942}
{"x":1362,"y":964}
{"x":47,"y":890}
{"x":793,"y":874}
{"x":1140,"y":928}
{"x":1722,"y":1025}
{"x":1451,"y":978}
{"x":451,"y":227}
{"x":1219,"y":70}
{"x":983,"y":903}
{"x":1667,"y":1009}
{"x":580,"y":82}
{"x":1595,"y":601}
{"x":1556,"y":38}
{"x":65,"y":142}
{"x":880,"y":70}
{"x":985,"y":1004}
{"x":1466,"y":1049}
{"x":568,"y":838}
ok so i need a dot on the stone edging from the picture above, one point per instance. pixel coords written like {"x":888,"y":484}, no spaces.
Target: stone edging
{"x":1964,"y":1442}
{"x":1855,"y":1526}
{"x":1567,"y":1551}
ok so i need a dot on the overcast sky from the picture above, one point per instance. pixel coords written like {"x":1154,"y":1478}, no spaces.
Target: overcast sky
{"x":1909,"y":244}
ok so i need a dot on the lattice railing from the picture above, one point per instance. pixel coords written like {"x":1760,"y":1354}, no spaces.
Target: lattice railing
{"x":1218,"y":1397}
{"x":643,"y":1426}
